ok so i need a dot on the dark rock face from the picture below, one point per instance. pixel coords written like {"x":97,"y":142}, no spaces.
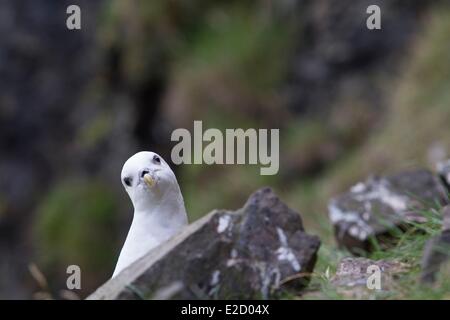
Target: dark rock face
{"x":437,"y":251}
{"x":337,"y":45}
{"x":43,"y":70}
{"x":248,"y":254}
{"x":375,"y":207}
{"x":353,"y":274}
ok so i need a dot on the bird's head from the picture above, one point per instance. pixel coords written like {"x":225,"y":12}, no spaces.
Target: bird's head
{"x":147,"y":178}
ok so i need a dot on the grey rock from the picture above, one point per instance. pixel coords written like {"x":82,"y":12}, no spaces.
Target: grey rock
{"x":446,"y":218}
{"x":437,"y":251}
{"x":381,"y":204}
{"x":352,"y":276}
{"x":443,"y":169}
{"x":246,"y":254}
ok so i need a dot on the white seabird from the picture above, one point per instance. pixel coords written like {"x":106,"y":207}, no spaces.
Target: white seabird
{"x":159,"y":211}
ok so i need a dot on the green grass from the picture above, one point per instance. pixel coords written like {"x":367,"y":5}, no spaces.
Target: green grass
{"x":75,"y":224}
{"x":408,"y":250}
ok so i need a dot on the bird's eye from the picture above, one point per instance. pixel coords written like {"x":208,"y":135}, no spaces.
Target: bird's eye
{"x":127,"y":181}
{"x":156,"y":159}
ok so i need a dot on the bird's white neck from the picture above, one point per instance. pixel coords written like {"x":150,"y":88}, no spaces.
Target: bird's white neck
{"x":152,"y":226}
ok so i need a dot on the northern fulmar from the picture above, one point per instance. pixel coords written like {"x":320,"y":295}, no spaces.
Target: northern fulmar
{"x":159,"y":211}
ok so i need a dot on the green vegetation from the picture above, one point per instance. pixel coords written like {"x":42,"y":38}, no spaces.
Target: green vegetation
{"x":95,"y":131}
{"x":75,"y":225}
{"x":408,"y":250}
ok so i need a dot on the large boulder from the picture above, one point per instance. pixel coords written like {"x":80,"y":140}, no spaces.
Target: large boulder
{"x":381,"y":204}
{"x":251,"y":253}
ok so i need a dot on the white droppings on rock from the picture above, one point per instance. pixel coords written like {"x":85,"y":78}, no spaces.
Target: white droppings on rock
{"x":354,"y":231}
{"x":382,"y":193}
{"x":224,"y":222}
{"x":359,"y":187}
{"x":396,"y":202}
{"x":337,"y":215}
{"x":285,"y":253}
{"x":366,"y":216}
{"x":270,"y":278}
{"x":233,"y":258}
{"x":368,"y":206}
{"x":215,"y":278}
{"x":359,"y":228}
{"x":282,"y":237}
{"x":363,"y":234}
{"x":231,"y":262}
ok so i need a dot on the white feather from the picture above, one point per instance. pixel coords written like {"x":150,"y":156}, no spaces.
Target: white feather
{"x":159,"y":211}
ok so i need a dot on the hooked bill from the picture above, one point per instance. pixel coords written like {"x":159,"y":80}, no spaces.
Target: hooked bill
{"x":149,"y":181}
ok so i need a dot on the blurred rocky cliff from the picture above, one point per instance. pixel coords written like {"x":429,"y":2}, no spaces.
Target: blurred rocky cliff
{"x":74,"y":105}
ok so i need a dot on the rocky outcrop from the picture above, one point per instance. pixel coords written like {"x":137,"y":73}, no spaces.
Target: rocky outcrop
{"x":437,"y":251}
{"x":381,"y":204}
{"x":444,"y":173}
{"x":254,"y":252}
{"x":352,"y":279}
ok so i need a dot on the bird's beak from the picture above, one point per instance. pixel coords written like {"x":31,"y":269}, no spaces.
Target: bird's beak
{"x":149,"y":181}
